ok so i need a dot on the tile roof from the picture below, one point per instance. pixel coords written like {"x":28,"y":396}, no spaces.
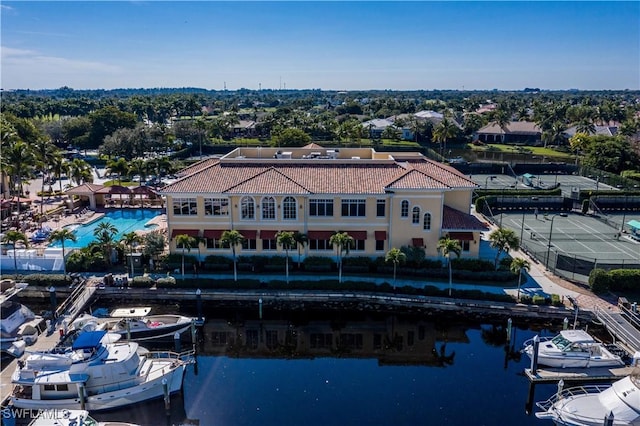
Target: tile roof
{"x":84,"y":189}
{"x":198,"y":166}
{"x":455,"y":220}
{"x":318,"y":178}
{"x":513,"y":127}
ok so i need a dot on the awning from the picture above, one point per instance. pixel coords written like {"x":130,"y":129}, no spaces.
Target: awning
{"x":417,"y":242}
{"x":358,"y":235}
{"x":319,"y":235}
{"x":380,"y":235}
{"x":461,"y":236}
{"x":189,"y":232}
{"x":213,"y":233}
{"x":268,"y":235}
{"x":634,"y":224}
{"x":247,"y":234}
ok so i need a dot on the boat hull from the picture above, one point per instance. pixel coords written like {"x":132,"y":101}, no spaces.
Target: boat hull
{"x":152,"y":389}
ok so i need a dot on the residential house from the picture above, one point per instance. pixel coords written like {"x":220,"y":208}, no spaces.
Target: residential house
{"x":514,"y":132}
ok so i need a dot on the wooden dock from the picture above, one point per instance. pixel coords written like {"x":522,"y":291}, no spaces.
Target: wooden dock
{"x":554,"y":375}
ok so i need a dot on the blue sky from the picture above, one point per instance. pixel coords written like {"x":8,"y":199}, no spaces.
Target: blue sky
{"x":325,"y":45}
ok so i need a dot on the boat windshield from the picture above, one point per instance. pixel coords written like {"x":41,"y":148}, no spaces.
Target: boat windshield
{"x":561,"y":343}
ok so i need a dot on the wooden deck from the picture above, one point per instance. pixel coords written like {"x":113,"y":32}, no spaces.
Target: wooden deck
{"x":554,"y":375}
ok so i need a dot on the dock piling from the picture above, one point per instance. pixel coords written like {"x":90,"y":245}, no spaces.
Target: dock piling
{"x":509,"y":327}
{"x":81,"y":395}
{"x":260,"y":308}
{"x":199,"y":304}
{"x":565,"y":323}
{"x":167,"y":398}
{"x":608,"y":420}
{"x":54,"y":302}
{"x":534,"y":358}
{"x":176,"y":342}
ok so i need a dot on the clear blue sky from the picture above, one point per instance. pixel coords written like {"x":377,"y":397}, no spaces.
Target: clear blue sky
{"x":325,"y":45}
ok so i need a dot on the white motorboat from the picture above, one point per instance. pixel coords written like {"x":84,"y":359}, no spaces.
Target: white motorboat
{"x":18,"y":327}
{"x":573,"y":349}
{"x":96,"y":373}
{"x":591,"y":405}
{"x":71,"y":418}
{"x":136,"y":324}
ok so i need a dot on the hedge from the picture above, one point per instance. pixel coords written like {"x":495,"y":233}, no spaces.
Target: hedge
{"x":615,"y":280}
{"x":47,"y":280}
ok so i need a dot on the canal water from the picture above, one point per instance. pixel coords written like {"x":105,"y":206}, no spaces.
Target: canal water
{"x":333,"y":368}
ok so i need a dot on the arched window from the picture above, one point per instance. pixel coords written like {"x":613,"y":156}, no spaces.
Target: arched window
{"x":268,"y":208}
{"x":415,"y":215}
{"x":247,"y":208}
{"x":426,"y":221}
{"x":404,"y":208}
{"x":289,"y":209}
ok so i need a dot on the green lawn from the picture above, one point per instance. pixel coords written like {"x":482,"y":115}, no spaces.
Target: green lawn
{"x":533,"y":150}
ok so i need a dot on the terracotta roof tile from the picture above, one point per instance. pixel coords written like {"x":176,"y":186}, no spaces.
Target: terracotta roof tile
{"x":455,"y":220}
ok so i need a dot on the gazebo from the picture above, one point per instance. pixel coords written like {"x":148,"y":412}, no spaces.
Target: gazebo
{"x":88,"y":191}
{"x":145,"y":192}
{"x":116,"y":190}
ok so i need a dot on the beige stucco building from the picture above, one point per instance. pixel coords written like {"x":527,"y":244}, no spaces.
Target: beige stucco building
{"x":381,"y":199}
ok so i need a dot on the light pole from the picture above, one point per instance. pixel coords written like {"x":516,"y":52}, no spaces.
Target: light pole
{"x":486,"y":180}
{"x":502,"y":200}
{"x":546,"y":263}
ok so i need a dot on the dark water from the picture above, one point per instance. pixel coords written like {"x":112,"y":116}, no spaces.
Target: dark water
{"x":350,"y":369}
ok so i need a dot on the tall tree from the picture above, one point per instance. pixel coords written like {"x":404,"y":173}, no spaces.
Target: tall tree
{"x":185,"y":242}
{"x":105,"y":233}
{"x":300,"y":239}
{"x":447,"y":246}
{"x":503,"y":240}
{"x":395,"y":256}
{"x":233,"y":239}
{"x":13,"y":238}
{"x":343,"y":242}
{"x":61,"y":235}
{"x":286,"y":241}
{"x":20,"y":160}
{"x":120,"y":167}
{"x":518,"y":266}
{"x":80,"y":171}
{"x":444,"y":131}
{"x":130,"y":240}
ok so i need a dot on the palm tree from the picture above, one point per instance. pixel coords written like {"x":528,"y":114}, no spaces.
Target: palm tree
{"x":300,"y":239}
{"x":343,"y":243}
{"x":129,"y":240}
{"x":138,"y":165}
{"x":396,"y":257}
{"x":61,"y":235}
{"x":444,"y":131}
{"x":503,"y":240}
{"x":286,"y":240}
{"x":80,"y":171}
{"x":104,"y":232}
{"x":233,"y":239}
{"x":447,"y":246}
{"x":59,"y":167}
{"x":45,"y":152}
{"x":20,"y":160}
{"x":119,"y":167}
{"x":186,"y":242}
{"x":518,"y":265}
{"x":13,"y":237}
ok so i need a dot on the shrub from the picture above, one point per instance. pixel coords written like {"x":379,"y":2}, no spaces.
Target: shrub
{"x":166,"y":282}
{"x":474,"y":265}
{"x":47,"y":280}
{"x":141,"y":282}
{"x":539,"y":300}
{"x":555,"y":300}
{"x":599,"y":281}
{"x":624,"y":279}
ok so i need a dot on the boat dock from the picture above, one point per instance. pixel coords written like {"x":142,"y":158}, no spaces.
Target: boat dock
{"x":554,"y":375}
{"x":623,"y":326}
{"x":47,"y":339}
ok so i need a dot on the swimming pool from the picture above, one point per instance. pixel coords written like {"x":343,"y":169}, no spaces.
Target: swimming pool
{"x":125,"y":220}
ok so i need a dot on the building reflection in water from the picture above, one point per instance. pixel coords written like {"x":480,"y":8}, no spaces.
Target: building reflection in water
{"x":392,"y":340}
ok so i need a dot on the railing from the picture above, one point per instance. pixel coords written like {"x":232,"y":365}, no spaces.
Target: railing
{"x":577,"y":391}
{"x":616,"y":327}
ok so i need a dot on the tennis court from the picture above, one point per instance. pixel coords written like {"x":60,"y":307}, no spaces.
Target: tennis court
{"x":577,"y":243}
{"x":568,"y":183}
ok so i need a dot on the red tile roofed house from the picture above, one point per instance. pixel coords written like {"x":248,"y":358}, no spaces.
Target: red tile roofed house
{"x":383,"y":199}
{"x":513,"y":132}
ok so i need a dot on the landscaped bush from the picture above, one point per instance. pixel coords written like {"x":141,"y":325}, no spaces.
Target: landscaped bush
{"x":473,"y":265}
{"x":539,"y":300}
{"x":599,"y":280}
{"x":217,"y":263}
{"x":141,"y":282}
{"x":47,"y":280}
{"x":625,"y":279}
{"x":555,"y":300}
{"x":318,"y":264}
{"x":356,"y":264}
{"x":166,"y":282}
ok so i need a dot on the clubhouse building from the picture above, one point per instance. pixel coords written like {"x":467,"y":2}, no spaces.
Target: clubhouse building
{"x":381,"y":199}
